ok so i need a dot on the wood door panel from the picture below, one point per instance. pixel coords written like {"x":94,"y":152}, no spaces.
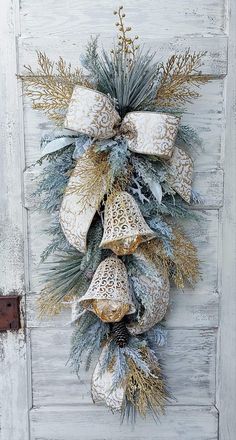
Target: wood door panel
{"x":188,"y":362}
{"x":203,"y":234}
{"x":179,"y":423}
{"x":52,"y":18}
{"x":186,"y":310}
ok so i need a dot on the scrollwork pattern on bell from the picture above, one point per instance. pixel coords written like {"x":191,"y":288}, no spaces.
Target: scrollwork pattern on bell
{"x":108,"y":294}
{"x":124,"y":225}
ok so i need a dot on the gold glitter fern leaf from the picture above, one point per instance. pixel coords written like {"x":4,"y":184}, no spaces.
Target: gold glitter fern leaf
{"x":50,"y":87}
{"x":181,"y":77}
{"x":182,"y":266}
{"x":146,"y":391}
{"x":93,"y":178}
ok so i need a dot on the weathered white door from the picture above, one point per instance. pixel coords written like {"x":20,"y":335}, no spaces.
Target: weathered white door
{"x":40,"y":398}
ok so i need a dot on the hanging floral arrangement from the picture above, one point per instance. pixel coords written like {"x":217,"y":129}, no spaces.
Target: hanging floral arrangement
{"x":116,"y":177}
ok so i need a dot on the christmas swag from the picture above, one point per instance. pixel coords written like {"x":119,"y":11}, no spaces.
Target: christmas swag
{"x":115,"y":178}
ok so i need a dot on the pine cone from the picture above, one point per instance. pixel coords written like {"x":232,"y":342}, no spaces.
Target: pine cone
{"x":120,"y":333}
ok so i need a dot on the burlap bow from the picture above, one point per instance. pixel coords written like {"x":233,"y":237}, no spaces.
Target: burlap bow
{"x":93,"y":113}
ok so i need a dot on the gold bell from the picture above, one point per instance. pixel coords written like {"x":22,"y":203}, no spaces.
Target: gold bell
{"x":108,"y":294}
{"x":124,"y":225}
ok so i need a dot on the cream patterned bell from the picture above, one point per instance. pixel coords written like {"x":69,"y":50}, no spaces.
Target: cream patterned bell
{"x":108,"y":294}
{"x":124,"y":225}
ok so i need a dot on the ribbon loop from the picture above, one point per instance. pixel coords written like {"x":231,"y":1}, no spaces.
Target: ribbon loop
{"x":92,"y":113}
{"x":150,"y":133}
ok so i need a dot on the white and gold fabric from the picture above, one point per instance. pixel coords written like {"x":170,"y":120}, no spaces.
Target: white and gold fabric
{"x":94,"y":114}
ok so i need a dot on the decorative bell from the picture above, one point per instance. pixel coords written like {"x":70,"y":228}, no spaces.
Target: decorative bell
{"x":124,"y":225}
{"x":108,"y":294}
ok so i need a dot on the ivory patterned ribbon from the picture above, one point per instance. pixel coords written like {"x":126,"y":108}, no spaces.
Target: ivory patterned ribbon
{"x":93,"y":114}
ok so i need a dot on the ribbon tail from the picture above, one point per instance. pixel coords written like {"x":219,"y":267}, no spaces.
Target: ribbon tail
{"x":181,"y":174}
{"x":155,"y":283}
{"x":101,"y":387}
{"x":77,"y":212}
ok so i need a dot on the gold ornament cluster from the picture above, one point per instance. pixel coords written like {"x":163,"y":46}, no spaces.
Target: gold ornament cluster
{"x":126,"y":44}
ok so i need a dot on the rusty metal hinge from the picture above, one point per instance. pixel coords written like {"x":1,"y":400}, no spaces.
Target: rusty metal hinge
{"x":9,"y":312}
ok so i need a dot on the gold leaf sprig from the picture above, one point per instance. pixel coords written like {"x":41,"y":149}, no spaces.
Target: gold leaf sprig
{"x":50,"y":87}
{"x":180,"y":79}
{"x":93,"y":178}
{"x":145,"y":391}
{"x":49,"y":304}
{"x":185,"y":260}
{"x":126,"y":44}
{"x":183,"y":265}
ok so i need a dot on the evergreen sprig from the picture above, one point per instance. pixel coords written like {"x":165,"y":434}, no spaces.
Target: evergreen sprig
{"x":87,"y":339}
{"x":132,"y":86}
{"x":180,"y":79}
{"x":53,"y":180}
{"x":70,"y":273}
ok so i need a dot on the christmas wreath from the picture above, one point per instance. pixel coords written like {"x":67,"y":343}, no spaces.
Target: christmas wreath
{"x":116,"y":179}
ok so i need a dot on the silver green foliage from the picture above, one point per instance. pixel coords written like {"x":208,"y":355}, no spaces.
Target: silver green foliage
{"x":132,"y":86}
{"x":71,"y":271}
{"x":188,"y":139}
{"x":118,"y":155}
{"x":53,"y":180}
{"x":156,"y":337}
{"x":86,"y":340}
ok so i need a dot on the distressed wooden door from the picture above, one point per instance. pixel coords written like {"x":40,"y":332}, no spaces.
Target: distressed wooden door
{"x":40,"y":398}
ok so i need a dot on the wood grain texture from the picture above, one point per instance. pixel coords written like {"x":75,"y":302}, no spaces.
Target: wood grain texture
{"x":206,"y":115}
{"x":13,"y":387}
{"x":76,"y":18}
{"x":180,"y":423}
{"x":13,"y":365}
{"x":226,"y":399}
{"x":185,"y":310}
{"x":215,"y":61}
{"x":188,"y":358}
{"x":63,"y":29}
{"x":204,"y":234}
{"x":209,"y":185}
